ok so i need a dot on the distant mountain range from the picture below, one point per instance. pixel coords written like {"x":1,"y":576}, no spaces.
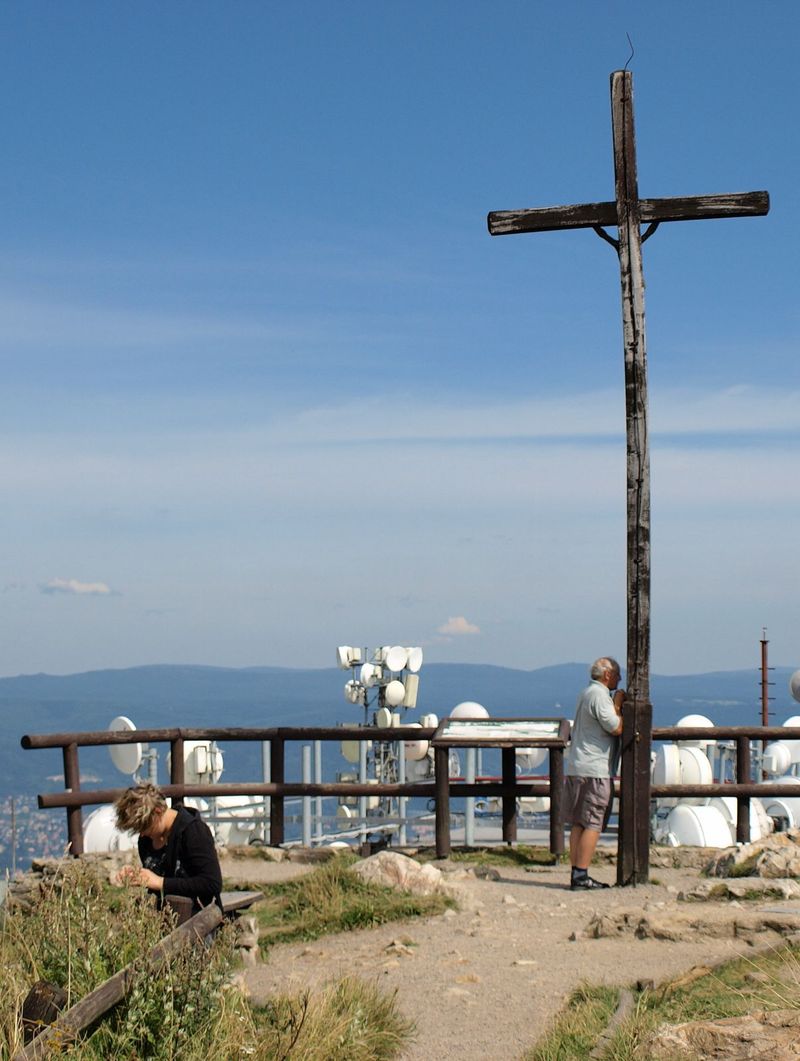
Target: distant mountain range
{"x":168,"y":695}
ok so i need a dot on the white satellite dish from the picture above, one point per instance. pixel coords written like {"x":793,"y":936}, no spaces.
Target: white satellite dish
{"x":126,"y":757}
{"x":530,"y":759}
{"x":698,"y":827}
{"x":696,"y":720}
{"x":695,"y":770}
{"x":395,"y":693}
{"x":415,"y":750}
{"x":100,"y":832}
{"x":351,"y":749}
{"x":777,"y":758}
{"x":383,"y":718}
{"x":415,"y":659}
{"x":469,"y":709}
{"x":793,"y":745}
{"x":396,"y":658}
{"x":431,"y":720}
{"x":354,"y":692}
{"x":667,"y":765}
{"x":794,"y":685}
{"x":343,"y":656}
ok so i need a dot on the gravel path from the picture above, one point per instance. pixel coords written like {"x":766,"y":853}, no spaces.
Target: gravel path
{"x":484,"y":981}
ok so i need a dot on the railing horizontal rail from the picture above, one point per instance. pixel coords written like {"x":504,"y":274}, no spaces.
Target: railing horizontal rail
{"x":682,"y":733}
{"x":87,"y":798}
{"x":230,"y":733}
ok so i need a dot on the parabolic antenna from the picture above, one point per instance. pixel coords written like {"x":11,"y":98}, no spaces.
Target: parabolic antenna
{"x":415,"y":659}
{"x":354,"y":692}
{"x":698,"y":826}
{"x":100,"y":832}
{"x":777,"y":758}
{"x":695,"y":770}
{"x":383,"y":718}
{"x":396,"y":658}
{"x":343,"y":653}
{"x":394,"y":693}
{"x":793,"y":745}
{"x":667,"y":765}
{"x":469,"y":709}
{"x":696,"y":720}
{"x":431,"y":720}
{"x":530,"y":759}
{"x":794,"y":685}
{"x":415,"y":750}
{"x":126,"y":757}
{"x":351,"y":749}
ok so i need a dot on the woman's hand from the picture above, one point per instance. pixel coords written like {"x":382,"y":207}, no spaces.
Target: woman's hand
{"x":131,"y":875}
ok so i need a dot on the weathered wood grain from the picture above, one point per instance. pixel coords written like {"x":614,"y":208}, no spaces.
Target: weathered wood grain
{"x":589,"y":215}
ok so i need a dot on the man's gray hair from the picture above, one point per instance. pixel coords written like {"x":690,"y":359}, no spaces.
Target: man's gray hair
{"x":600,"y":666}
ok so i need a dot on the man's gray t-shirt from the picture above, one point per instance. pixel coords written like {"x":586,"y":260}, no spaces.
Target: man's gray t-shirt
{"x":591,"y":750}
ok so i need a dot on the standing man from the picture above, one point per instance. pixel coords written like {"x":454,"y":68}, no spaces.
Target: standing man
{"x":588,"y":789}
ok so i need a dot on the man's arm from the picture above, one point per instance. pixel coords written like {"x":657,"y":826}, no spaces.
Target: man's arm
{"x":619,"y":700}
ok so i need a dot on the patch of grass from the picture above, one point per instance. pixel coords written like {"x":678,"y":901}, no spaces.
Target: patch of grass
{"x":79,"y":931}
{"x":502,"y":855}
{"x":578,"y":1027}
{"x":77,"y":934}
{"x":333,"y":899}
{"x":744,"y":869}
{"x":743,"y":985}
{"x":350,"y":1021}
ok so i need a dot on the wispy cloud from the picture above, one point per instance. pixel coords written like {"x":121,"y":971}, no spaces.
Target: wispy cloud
{"x":76,"y":587}
{"x":457,"y":626}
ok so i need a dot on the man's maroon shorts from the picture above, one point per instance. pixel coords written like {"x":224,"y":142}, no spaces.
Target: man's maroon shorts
{"x":586,"y":801}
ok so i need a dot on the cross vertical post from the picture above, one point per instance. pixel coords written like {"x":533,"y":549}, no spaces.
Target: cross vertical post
{"x":634,"y":816}
{"x":628,"y":212}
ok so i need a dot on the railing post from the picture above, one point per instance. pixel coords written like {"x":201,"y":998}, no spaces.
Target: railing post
{"x":469,"y":802}
{"x":72,"y":783}
{"x":633,"y":854}
{"x":306,"y":758}
{"x":318,"y":830}
{"x":402,"y":803}
{"x":266,"y":776}
{"x":509,"y":759}
{"x":177,"y":774}
{"x":278,"y":774}
{"x":743,"y":777}
{"x":441,"y":765}
{"x":556,"y":801}
{"x":362,"y":799}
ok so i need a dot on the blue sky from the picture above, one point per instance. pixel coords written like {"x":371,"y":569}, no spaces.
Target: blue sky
{"x":269,"y":386}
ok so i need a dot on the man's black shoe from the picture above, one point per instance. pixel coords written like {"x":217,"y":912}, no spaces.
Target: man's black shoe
{"x":582,"y":884}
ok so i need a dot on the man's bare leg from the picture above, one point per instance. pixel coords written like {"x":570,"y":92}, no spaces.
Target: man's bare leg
{"x":585,"y":845}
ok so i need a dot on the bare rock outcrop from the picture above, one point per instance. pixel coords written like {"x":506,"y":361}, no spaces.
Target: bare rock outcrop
{"x":663,"y":924}
{"x":394,"y":870}
{"x":769,"y":1035}
{"x":735,"y":888}
{"x":775,"y":856}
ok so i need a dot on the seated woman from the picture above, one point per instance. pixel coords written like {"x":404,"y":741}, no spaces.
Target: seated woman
{"x":175,"y":845}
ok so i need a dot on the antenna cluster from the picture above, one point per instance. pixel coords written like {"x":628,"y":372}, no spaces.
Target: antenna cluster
{"x":392,"y":671}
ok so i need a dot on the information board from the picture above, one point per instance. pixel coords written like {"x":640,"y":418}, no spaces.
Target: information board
{"x":515,"y":732}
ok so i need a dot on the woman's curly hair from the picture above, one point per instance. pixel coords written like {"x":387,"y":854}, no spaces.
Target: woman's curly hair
{"x":136,"y":807}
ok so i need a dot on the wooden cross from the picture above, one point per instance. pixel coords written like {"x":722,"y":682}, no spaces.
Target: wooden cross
{"x":627,"y":213}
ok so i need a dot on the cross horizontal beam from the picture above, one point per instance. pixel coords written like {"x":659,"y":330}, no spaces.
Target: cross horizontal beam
{"x":592,"y":215}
